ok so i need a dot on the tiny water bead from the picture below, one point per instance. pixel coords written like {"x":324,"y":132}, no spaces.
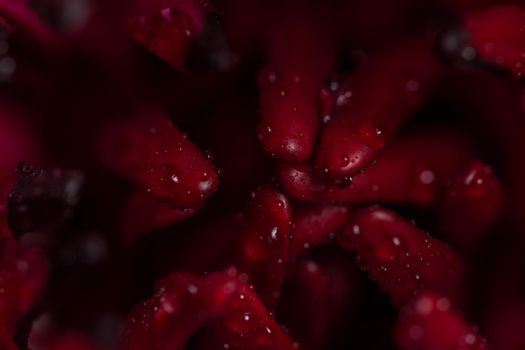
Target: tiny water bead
{"x":273,"y":233}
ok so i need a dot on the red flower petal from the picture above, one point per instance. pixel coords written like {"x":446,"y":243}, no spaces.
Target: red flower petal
{"x":143,"y":213}
{"x":23,"y":276}
{"x":185,"y":304}
{"x":289,"y":82}
{"x":372,"y":104}
{"x":429,"y":323}
{"x":401,"y":258}
{"x":166,"y":27}
{"x":154,"y":154}
{"x":471,"y":205}
{"x":264,"y":240}
{"x":413,"y":171}
{"x":313,"y":225}
{"x":498,"y":35}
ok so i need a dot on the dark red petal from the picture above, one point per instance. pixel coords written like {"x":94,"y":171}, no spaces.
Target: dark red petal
{"x":20,"y":17}
{"x":167,"y":27}
{"x":297,"y":64}
{"x":498,"y":36}
{"x":401,"y":258}
{"x":264,"y":242}
{"x":6,"y":340}
{"x":184,"y":304}
{"x":430,"y":323}
{"x":413,"y":171}
{"x":319,"y":298}
{"x":300,"y":182}
{"x":142,"y":213}
{"x":372,"y":104}
{"x":17,"y":144}
{"x":246,"y":324}
{"x":43,"y":200}
{"x":151,"y":152}
{"x":505,"y":326}
{"x":23,"y":277}
{"x":471,"y":205}
{"x":313,"y":225}
{"x":67,"y":340}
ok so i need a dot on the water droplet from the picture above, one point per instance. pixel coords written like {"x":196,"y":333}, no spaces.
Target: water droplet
{"x":175,"y":178}
{"x":208,"y":155}
{"x":343,"y":182}
{"x":206,"y":183}
{"x":273,"y":234}
{"x":263,"y":131}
